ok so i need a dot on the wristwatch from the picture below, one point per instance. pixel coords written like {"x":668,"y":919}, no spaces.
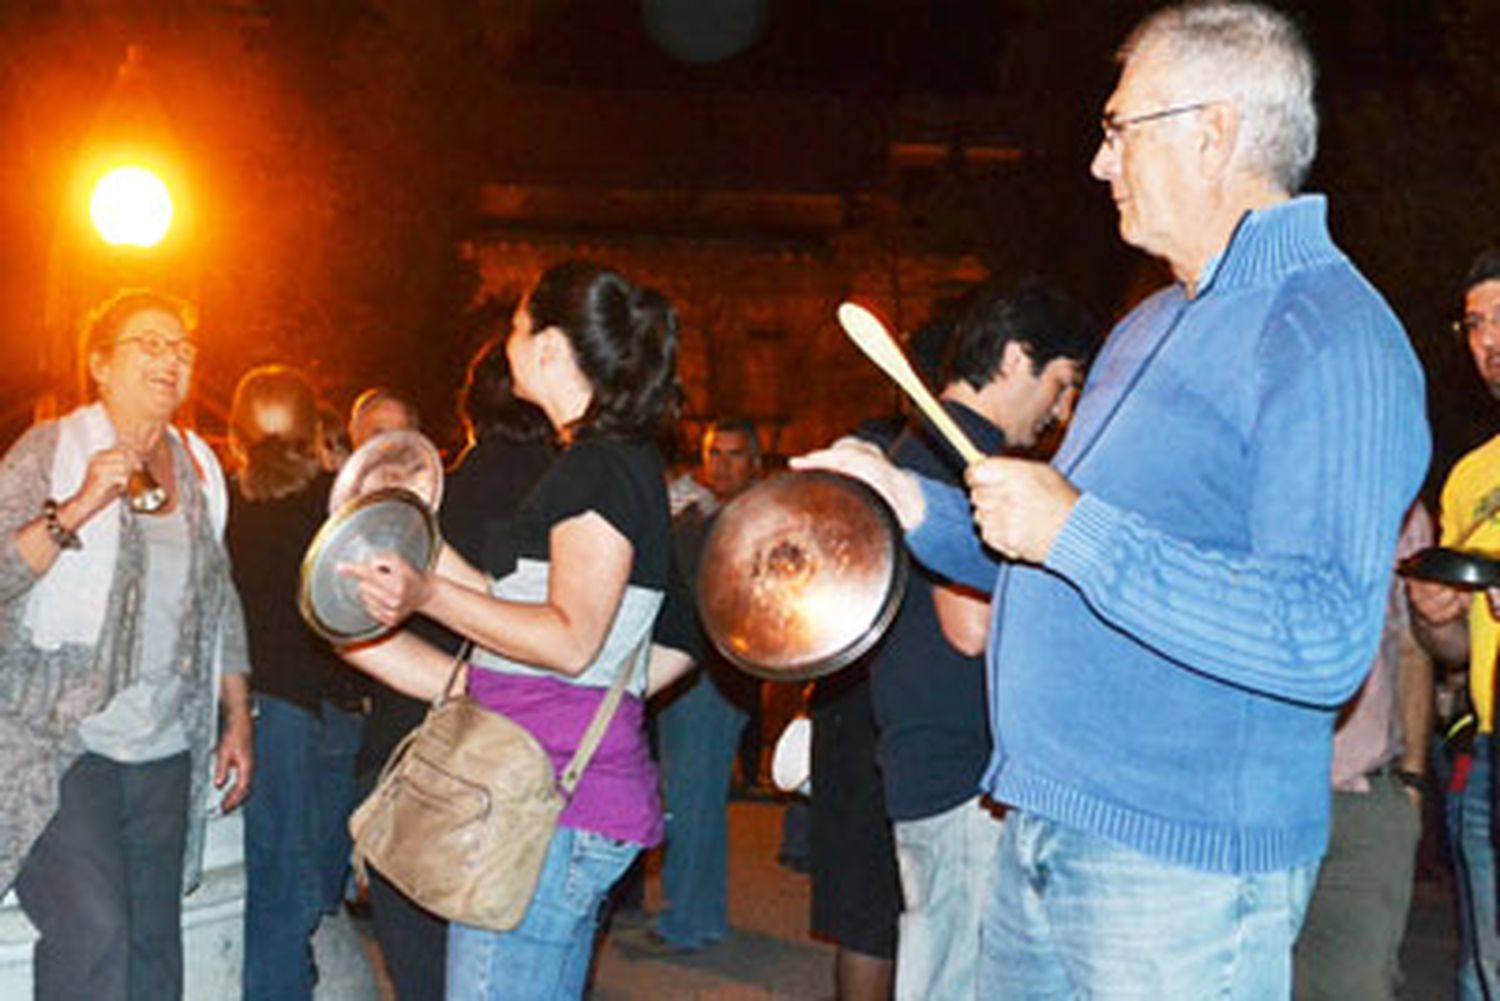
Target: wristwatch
{"x":1411,"y":779}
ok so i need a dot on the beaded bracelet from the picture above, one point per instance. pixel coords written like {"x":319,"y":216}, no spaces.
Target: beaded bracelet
{"x":62,"y":536}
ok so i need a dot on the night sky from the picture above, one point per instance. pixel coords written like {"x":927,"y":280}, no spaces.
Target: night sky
{"x":346,"y":138}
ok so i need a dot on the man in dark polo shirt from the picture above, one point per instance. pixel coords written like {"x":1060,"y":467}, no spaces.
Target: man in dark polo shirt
{"x":1012,"y":368}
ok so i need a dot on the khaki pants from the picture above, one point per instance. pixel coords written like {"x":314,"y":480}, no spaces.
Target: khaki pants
{"x":1351,"y":938}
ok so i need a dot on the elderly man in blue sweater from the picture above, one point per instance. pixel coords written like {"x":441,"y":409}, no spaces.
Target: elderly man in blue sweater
{"x":1198,"y":578}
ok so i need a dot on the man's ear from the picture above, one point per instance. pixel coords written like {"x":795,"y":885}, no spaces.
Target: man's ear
{"x":1014,"y":359}
{"x":1218,"y":135}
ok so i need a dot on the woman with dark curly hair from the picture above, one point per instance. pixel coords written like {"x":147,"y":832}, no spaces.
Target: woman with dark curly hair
{"x":564,"y":596}
{"x":509,"y":446}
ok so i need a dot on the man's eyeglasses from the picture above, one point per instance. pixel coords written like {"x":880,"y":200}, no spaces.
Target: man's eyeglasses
{"x":1471,"y":323}
{"x":1115,"y":127}
{"x":156,"y":345}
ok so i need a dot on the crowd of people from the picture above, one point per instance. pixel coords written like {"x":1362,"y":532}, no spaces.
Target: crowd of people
{"x":1154,"y":717}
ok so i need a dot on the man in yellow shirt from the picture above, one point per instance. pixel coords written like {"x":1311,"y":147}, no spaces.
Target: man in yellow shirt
{"x":1459,"y":627}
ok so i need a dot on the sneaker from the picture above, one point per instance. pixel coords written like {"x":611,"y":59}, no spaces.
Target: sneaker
{"x":629,"y":919}
{"x":650,"y":942}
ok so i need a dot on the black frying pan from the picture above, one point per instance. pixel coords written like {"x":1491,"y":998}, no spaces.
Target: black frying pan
{"x":1454,"y":567}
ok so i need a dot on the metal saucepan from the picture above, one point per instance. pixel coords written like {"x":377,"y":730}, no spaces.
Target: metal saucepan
{"x":383,"y":500}
{"x":800,"y":575}
{"x":406,"y":459}
{"x":1457,"y":567}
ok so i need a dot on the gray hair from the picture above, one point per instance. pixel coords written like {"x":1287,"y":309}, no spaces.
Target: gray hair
{"x":384,"y":394}
{"x":1254,"y":58}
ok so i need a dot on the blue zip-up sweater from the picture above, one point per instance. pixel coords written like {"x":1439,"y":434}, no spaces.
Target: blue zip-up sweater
{"x":1168,"y":679}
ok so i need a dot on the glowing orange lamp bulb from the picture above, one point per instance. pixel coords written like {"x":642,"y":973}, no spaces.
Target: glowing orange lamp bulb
{"x":131,"y":207}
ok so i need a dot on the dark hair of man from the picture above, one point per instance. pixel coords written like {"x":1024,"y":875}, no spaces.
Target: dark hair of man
{"x":1486,"y":268}
{"x":488,"y":405}
{"x":1044,"y":321}
{"x":736,"y":425}
{"x":624,"y":340}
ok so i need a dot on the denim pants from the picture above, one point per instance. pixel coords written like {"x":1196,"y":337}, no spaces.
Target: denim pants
{"x":697,"y":735}
{"x":547,"y":955}
{"x":103,"y":884}
{"x":1468,"y":817}
{"x":1076,"y":916}
{"x":947,"y":862}
{"x":296,"y":841}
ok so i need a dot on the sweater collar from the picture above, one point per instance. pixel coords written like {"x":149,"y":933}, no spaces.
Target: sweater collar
{"x":1271,"y":242}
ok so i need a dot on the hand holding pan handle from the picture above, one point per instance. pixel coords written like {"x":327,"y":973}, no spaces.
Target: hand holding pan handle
{"x":1455,"y":565}
{"x":802,"y":573}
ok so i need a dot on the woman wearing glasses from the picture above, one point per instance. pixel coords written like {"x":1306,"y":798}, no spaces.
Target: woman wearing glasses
{"x":121,"y":644}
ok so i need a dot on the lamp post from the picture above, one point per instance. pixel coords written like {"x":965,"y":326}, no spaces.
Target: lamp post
{"x":123,"y":223}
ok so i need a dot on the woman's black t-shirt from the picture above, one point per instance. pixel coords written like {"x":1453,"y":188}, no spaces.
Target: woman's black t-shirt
{"x":620,"y":479}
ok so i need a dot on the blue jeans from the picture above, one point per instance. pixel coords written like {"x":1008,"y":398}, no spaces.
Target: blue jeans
{"x":296,"y":841}
{"x":947,"y":861}
{"x":1075,"y":916}
{"x":697,"y":737}
{"x":1468,"y":816}
{"x":103,"y":884}
{"x":547,"y":955}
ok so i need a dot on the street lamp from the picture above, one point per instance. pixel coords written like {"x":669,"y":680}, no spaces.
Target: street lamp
{"x":131,"y":207}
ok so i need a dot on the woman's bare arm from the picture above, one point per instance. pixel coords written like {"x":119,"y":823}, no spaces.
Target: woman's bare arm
{"x":590,"y":564}
{"x":406,"y":663}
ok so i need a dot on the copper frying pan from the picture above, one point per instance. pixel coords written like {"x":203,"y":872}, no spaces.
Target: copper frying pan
{"x":800,"y":575}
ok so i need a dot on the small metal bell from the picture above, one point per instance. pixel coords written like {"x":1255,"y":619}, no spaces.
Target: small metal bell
{"x":146,"y":496}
